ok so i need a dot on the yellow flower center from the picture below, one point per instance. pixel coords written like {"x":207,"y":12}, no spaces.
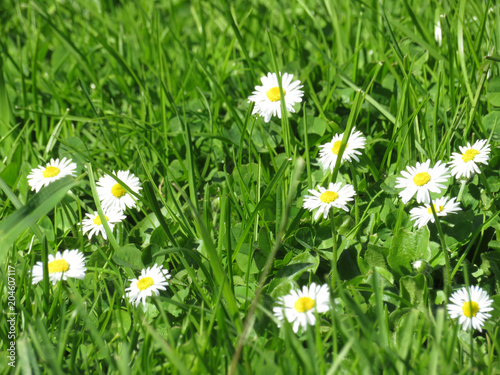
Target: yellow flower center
{"x":421,"y":178}
{"x":58,"y":265}
{"x":470,"y":309}
{"x":97,"y":220}
{"x":51,"y":172}
{"x":328,"y":196}
{"x":438,"y":209}
{"x":273,"y":94}
{"x":118,"y":191}
{"x":304,"y":304}
{"x":469,"y":155}
{"x":336,"y":147}
{"x":145,"y":283}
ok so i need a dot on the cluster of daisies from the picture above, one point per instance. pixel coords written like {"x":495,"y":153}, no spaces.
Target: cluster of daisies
{"x":470,"y":305}
{"x":71,"y":263}
{"x":114,"y":199}
{"x":422,"y":180}
{"x":300,"y":307}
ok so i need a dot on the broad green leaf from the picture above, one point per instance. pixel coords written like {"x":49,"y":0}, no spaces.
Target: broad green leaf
{"x":374,"y":256}
{"x":37,"y":207}
{"x":291,"y":272}
{"x":493,"y":93}
{"x":407,"y":247}
{"x":414,"y":290}
{"x":128,"y":256}
{"x":491,"y":123}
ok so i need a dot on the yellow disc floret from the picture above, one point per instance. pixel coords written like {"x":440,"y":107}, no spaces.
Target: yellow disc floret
{"x":470,"y":309}
{"x":58,"y":265}
{"x":328,"y":196}
{"x":273,"y":94}
{"x":469,"y":155}
{"x":336,"y":147}
{"x":304,"y":304}
{"x":421,"y":178}
{"x":118,"y":191}
{"x":145,"y":283}
{"x":97,"y":220}
{"x":438,"y":209}
{"x":51,"y":172}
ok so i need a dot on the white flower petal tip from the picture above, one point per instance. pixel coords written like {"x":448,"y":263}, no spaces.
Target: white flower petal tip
{"x":323,"y":199}
{"x":267,"y":98}
{"x":471,"y":307}
{"x":152,"y":280}
{"x":53,"y":171}
{"x":299,"y":307}
{"x":71,"y":263}
{"x":422,"y":180}
{"x":329,"y":151}
{"x":114,"y":196}
{"x":423,"y":214}
{"x":465,"y":163}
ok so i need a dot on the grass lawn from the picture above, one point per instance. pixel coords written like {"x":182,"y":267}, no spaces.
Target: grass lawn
{"x":250,"y":187}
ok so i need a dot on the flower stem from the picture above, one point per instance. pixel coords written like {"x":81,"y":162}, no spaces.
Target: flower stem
{"x":462,"y":187}
{"x":334,"y":252}
{"x":447,"y":269}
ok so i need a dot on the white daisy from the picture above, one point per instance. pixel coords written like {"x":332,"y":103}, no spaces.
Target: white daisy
{"x":471,"y":307}
{"x":464,"y":163}
{"x":329,"y":151}
{"x":299,"y":306}
{"x":152,"y":280}
{"x":93,"y":224}
{"x":70,"y":264}
{"x":421,"y":180}
{"x":55,"y":170}
{"x":423,"y":214}
{"x":113,"y":195}
{"x":324,"y":199}
{"x":267,"y":97}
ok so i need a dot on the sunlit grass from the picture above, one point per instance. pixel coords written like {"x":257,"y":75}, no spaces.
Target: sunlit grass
{"x":161,"y":89}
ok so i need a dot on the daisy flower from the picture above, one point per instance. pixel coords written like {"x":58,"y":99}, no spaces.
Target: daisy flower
{"x":471,"y":306}
{"x":421,"y":215}
{"x":93,"y":224}
{"x":71,"y":263}
{"x":113,"y":195}
{"x":267,"y":97}
{"x":329,"y":151}
{"x":334,"y":196}
{"x":465,"y":162}
{"x":421,"y":180}
{"x":299,"y":306}
{"x":152,"y":280}
{"x":55,"y":170}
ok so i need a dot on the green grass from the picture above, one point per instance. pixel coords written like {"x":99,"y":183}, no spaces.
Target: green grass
{"x":161,"y":88}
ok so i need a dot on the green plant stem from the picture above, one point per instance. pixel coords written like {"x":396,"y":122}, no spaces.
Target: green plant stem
{"x":447,"y":268}
{"x":462,"y":188}
{"x":334,"y":251}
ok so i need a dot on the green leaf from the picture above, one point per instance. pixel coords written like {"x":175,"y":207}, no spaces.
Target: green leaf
{"x":10,"y":174}
{"x":37,"y":207}
{"x":375,"y":257}
{"x":414,"y":290}
{"x":493,"y":93}
{"x":291,"y":272}
{"x":491,"y":124}
{"x":128,"y":256}
{"x":407,"y":247}
{"x":4,"y":109}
